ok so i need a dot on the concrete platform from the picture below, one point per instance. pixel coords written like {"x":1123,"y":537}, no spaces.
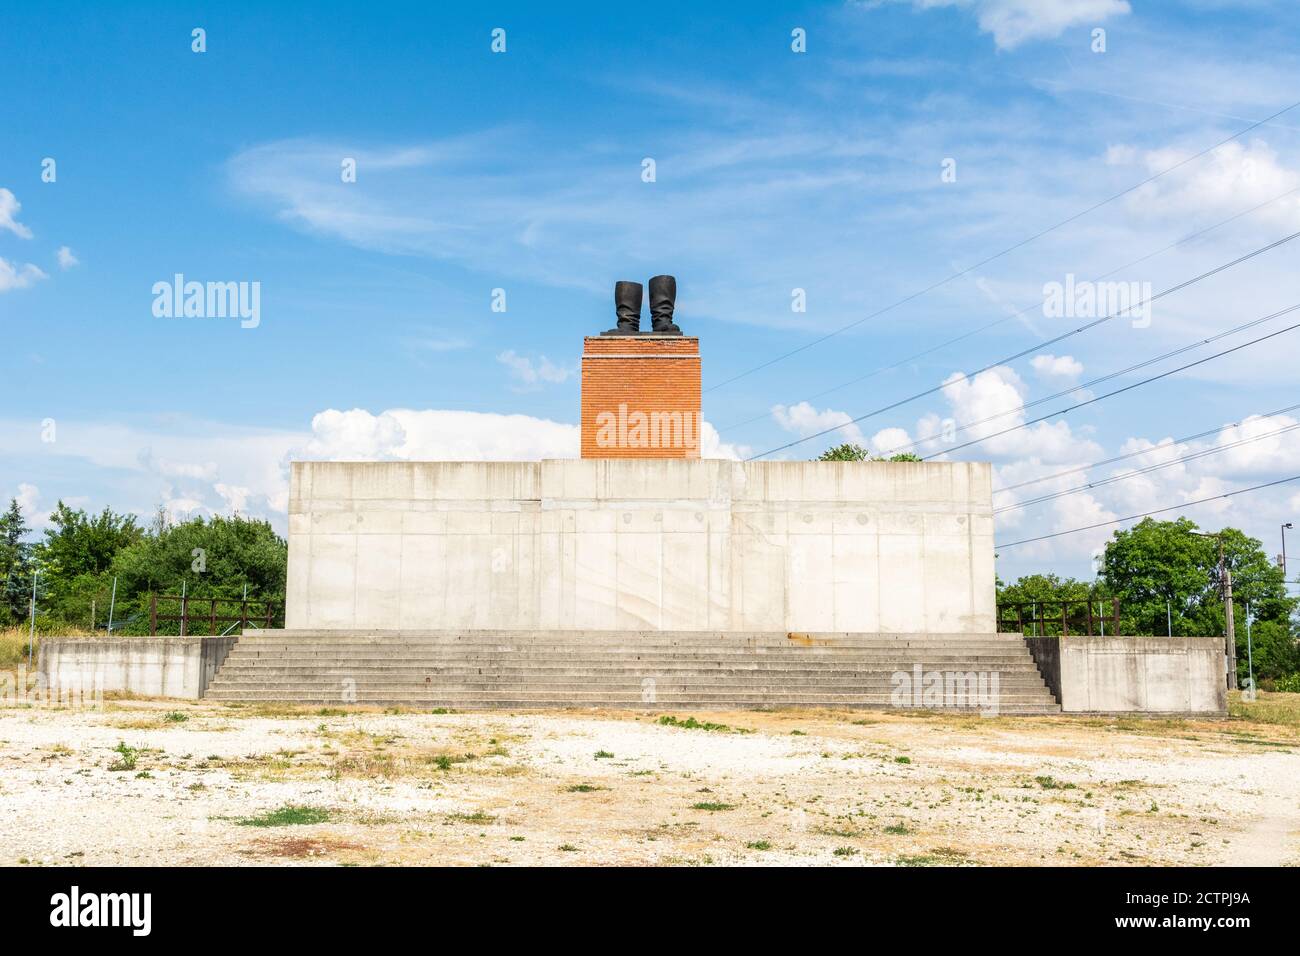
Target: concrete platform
{"x":642,"y":545}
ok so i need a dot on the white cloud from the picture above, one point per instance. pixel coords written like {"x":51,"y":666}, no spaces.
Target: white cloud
{"x":28,"y":498}
{"x":888,"y":440}
{"x":66,"y":258}
{"x":15,"y":276}
{"x":995,"y":399}
{"x":1257,"y":455}
{"x":1012,"y":22}
{"x":803,"y":419}
{"x":235,"y":496}
{"x":1233,"y":177}
{"x":1056,"y":368}
{"x":712,"y":445}
{"x":437,"y":435}
{"x":523,"y":369}
{"x":9,"y":207}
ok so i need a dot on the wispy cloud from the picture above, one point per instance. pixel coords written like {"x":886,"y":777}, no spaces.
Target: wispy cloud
{"x":9,"y":207}
{"x":534,"y":373}
{"x":18,"y":276}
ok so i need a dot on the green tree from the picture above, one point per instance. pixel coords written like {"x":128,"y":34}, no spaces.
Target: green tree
{"x":1045,"y":595}
{"x":1160,"y":571}
{"x":1167,"y":573}
{"x":74,"y":559}
{"x":852,"y":452}
{"x":845,"y":452}
{"x":214,"y":557}
{"x":15,"y":565}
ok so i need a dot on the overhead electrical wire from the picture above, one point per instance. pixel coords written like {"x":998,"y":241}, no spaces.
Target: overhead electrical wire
{"x":1192,"y":456}
{"x":1040,"y":345}
{"x":966,"y":426}
{"x":1009,"y":249}
{"x":1147,"y":514}
{"x":1015,"y":315}
{"x":1120,"y":391}
{"x":1132,"y":454}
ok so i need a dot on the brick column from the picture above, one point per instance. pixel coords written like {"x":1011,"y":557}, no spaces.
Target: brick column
{"x":641,"y":396}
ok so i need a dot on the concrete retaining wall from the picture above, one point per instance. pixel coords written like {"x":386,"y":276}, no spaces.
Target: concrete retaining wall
{"x":149,"y":666}
{"x":642,"y":545}
{"x":1125,"y":675}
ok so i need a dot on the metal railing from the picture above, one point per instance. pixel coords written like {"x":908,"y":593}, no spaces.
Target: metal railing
{"x":1060,"y":618}
{"x":210,"y":611}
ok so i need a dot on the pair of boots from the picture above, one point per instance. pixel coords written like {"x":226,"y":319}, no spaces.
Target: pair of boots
{"x":627,"y":305}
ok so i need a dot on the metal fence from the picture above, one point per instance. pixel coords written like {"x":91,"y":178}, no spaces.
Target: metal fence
{"x":1060,"y":618}
{"x":202,"y":615}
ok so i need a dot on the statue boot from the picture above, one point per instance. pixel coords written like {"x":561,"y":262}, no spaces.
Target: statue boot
{"x":627,"y":306}
{"x":663,"y":299}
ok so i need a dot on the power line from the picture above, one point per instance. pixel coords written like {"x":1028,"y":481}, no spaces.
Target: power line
{"x":1119,"y":391}
{"x":1192,"y":456}
{"x":966,"y":426}
{"x":1133,"y":454}
{"x":1006,"y":251}
{"x":1015,"y":315}
{"x":1021,"y":354}
{"x":1146,"y":514}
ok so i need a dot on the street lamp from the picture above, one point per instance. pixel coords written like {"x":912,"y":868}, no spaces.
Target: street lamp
{"x":1285,"y":528}
{"x":1230,"y":628}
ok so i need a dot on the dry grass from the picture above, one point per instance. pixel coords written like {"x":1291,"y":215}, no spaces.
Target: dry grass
{"x":1266,"y":708}
{"x":13,"y":647}
{"x":13,"y":641}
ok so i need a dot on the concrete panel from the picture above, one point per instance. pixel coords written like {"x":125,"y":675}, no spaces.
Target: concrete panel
{"x":149,"y":666}
{"x":332,"y":577}
{"x":642,"y":544}
{"x":902,"y":583}
{"x":1124,"y":675}
{"x":379,"y":563}
{"x":857,"y":581}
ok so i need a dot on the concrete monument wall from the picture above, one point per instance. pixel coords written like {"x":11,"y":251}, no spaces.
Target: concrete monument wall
{"x":642,"y":545}
{"x":1126,"y":675}
{"x":150,"y":666}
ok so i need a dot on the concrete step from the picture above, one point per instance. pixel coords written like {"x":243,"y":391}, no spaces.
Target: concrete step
{"x":635,"y":704}
{"x":588,"y":660}
{"x":648,"y":646}
{"x":375,"y":652}
{"x":518,"y":635}
{"x":289,"y":673}
{"x":612,"y":683}
{"x":546,"y":669}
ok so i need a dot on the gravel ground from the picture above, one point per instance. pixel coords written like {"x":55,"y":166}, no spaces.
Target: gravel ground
{"x":578,"y":787}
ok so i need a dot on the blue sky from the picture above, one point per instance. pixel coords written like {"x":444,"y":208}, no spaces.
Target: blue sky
{"x":522,"y":171}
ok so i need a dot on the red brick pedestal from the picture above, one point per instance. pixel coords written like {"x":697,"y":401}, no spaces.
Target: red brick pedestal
{"x":641,"y":396}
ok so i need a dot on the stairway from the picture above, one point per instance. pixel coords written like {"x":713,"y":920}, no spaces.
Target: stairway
{"x":657,"y":670}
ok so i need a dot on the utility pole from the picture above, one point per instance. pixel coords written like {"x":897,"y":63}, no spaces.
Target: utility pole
{"x":31,"y":635}
{"x":1229,"y":624}
{"x":1231,"y":620}
{"x":1250,"y":656}
{"x":111,"y":601}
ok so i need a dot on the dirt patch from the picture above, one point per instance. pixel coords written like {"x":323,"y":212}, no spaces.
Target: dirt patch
{"x":596,"y":787}
{"x":298,"y":848}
